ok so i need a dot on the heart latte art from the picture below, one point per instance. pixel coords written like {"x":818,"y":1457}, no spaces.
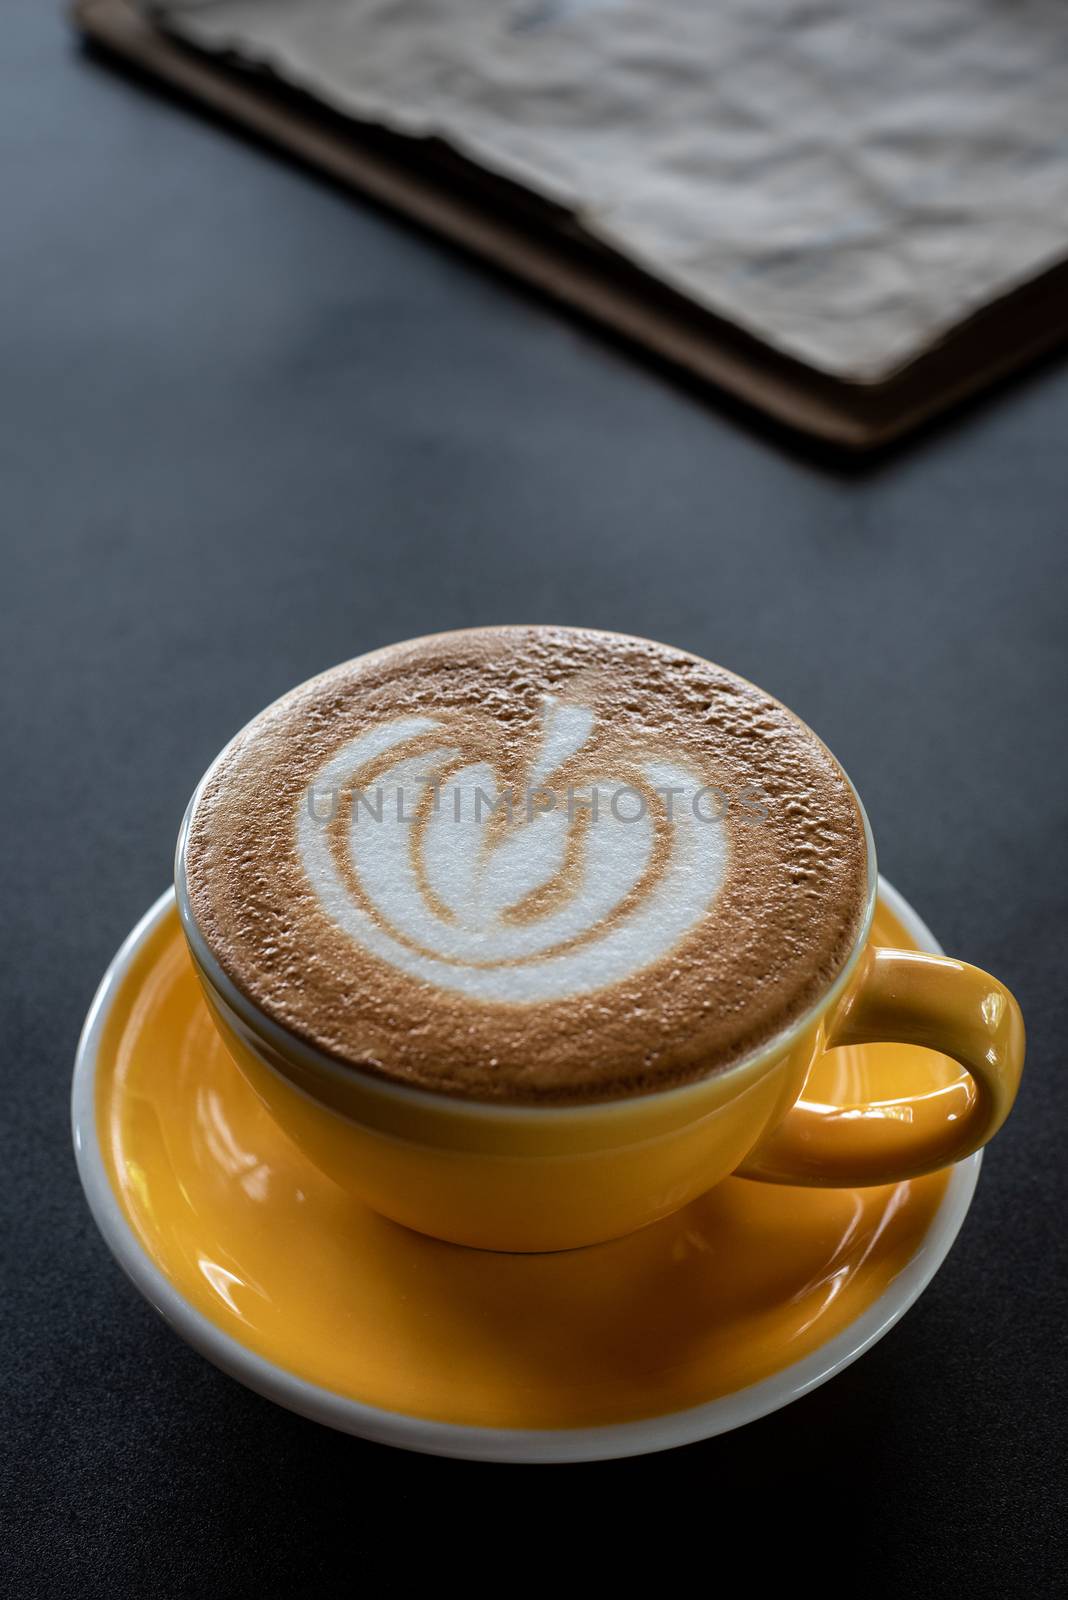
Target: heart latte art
{"x":438,"y":870}
{"x":528,"y":865}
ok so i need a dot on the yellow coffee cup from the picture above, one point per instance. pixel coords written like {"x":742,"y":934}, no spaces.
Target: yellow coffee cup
{"x":526,"y":1178}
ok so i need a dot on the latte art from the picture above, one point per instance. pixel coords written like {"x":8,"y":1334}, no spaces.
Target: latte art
{"x":425,"y":885}
{"x":519,"y":865}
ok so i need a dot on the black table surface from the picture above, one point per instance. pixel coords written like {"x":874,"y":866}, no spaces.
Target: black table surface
{"x":250,"y":427}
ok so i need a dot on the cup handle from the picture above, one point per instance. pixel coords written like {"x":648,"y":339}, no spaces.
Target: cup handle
{"x":905,"y":997}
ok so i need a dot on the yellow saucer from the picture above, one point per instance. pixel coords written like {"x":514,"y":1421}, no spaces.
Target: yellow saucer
{"x":729,"y":1309}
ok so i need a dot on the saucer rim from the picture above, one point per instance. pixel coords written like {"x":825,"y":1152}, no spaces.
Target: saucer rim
{"x":605,"y":1441}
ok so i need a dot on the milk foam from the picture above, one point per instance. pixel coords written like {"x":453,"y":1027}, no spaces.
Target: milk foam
{"x":487,"y":943}
{"x":630,"y":897}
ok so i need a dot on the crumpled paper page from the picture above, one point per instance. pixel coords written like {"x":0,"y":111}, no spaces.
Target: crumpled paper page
{"x":846,"y":179}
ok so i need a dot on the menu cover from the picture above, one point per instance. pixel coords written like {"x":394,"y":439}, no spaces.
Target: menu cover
{"x":847,"y":215}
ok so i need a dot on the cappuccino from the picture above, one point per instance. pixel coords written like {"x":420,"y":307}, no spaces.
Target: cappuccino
{"x":531,"y":865}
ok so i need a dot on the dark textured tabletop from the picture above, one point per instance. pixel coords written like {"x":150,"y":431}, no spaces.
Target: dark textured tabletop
{"x":249,"y":427}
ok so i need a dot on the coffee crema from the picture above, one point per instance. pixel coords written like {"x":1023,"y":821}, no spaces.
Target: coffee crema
{"x":533,"y":865}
